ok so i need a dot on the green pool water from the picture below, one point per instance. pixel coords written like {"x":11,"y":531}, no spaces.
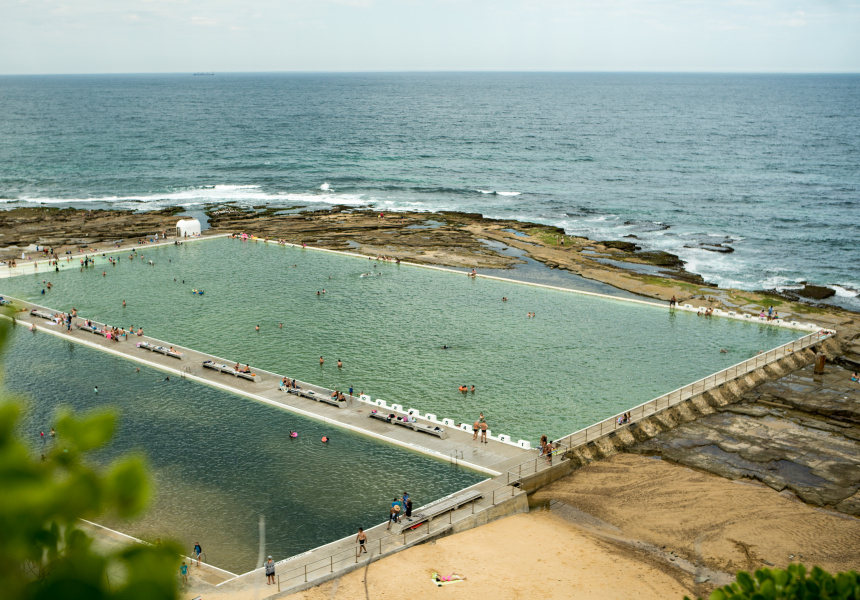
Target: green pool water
{"x":219,"y":461}
{"x":580,"y":360}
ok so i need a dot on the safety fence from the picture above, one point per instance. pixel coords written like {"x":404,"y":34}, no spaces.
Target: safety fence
{"x":381,"y":541}
{"x":579,"y":438}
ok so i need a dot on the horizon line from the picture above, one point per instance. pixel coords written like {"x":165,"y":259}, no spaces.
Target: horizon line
{"x":448,"y":71}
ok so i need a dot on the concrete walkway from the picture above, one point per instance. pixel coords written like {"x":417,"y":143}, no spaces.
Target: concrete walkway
{"x":492,"y":458}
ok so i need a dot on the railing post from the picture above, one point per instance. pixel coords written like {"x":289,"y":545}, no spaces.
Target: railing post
{"x":306,"y":573}
{"x":331,"y":563}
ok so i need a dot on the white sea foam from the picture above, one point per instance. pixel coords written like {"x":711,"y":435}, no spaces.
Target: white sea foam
{"x":242,"y":194}
{"x":325,"y":187}
{"x":497,"y":193}
{"x":845,"y":292}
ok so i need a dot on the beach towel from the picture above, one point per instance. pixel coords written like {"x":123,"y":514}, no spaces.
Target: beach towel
{"x":441,"y":583}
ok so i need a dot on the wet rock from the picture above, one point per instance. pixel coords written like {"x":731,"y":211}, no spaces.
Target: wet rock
{"x":623,"y":246}
{"x":797,"y":433}
{"x":816,"y":292}
{"x":714,"y":248}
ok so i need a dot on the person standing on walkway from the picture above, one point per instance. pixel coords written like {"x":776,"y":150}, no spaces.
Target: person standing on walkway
{"x":361,"y":538}
{"x":183,"y":570}
{"x":484,"y":432}
{"x":476,"y":427}
{"x":270,"y":571}
{"x":393,"y":515}
{"x":198,"y":550}
{"x":407,"y":504}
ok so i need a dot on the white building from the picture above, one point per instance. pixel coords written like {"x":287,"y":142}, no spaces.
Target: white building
{"x":188,"y":228}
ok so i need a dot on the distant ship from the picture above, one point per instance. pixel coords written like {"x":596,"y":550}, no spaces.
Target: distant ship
{"x":205,"y":73}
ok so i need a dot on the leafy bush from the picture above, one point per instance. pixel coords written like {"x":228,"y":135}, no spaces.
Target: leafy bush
{"x":43,"y":555}
{"x":793,"y":583}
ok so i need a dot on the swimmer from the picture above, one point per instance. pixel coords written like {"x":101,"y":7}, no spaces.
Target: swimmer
{"x":166,"y":378}
{"x":723,"y":351}
{"x":325,"y":439}
{"x":321,"y":360}
{"x":96,"y":389}
{"x":123,"y":303}
{"x":280,"y":325}
{"x":318,"y":293}
{"x":445,"y":347}
{"x":294,"y":434}
{"x":257,"y":328}
{"x":339,"y":364}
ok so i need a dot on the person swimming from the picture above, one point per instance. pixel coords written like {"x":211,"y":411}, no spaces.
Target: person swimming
{"x":294,"y":434}
{"x":325,"y":439}
{"x":446,"y":347}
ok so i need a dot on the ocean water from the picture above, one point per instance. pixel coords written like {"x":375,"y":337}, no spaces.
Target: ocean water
{"x":768,"y":165}
{"x":218,"y":461}
{"x":582,"y":359}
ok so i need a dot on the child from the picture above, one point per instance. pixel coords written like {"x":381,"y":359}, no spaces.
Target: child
{"x":183,"y":570}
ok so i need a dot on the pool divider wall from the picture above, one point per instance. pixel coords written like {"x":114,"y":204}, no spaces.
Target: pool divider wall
{"x":182,"y":374}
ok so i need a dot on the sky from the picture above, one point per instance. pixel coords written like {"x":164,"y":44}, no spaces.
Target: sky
{"x":168,"y":36}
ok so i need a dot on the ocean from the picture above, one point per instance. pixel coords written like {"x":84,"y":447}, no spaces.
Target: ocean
{"x":695,"y":164}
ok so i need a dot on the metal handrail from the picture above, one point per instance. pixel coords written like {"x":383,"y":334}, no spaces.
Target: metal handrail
{"x":651,"y":407}
{"x":325,"y":565}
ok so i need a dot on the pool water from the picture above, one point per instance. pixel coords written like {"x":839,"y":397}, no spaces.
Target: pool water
{"x":580,"y":360}
{"x":220,"y":461}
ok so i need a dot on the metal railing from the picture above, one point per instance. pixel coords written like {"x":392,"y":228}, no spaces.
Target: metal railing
{"x":592,"y":432}
{"x":388,"y":540}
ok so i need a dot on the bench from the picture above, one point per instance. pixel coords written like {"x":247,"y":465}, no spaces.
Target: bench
{"x":413,"y":425}
{"x":41,"y":314}
{"x":208,"y":364}
{"x":160,"y":350}
{"x":320,"y":398}
{"x":441,"y":508}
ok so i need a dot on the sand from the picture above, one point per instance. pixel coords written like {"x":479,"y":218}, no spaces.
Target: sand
{"x":524,"y":556}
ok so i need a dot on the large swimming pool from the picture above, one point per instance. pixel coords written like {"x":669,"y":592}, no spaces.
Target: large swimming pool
{"x":579,"y":360}
{"x":221,"y":461}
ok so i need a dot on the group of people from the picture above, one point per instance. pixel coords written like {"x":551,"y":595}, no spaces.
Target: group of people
{"x":464,"y":389}
{"x":546,"y":449}
{"x":289,"y":384}
{"x":400,"y":508}
{"x":240,"y":369}
{"x":623,"y":419}
{"x":770,"y":315}
{"x":480,"y":426}
{"x":705,"y":312}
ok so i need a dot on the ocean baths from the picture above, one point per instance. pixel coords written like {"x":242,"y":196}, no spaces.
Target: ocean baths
{"x":578,"y":360}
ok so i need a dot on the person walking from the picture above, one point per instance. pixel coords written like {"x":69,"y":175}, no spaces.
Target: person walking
{"x":183,"y":571}
{"x":198,"y":550}
{"x":270,"y":571}
{"x":361,"y":539}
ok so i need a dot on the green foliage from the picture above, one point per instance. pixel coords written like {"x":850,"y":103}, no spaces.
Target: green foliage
{"x":43,"y":555}
{"x":794,"y":583}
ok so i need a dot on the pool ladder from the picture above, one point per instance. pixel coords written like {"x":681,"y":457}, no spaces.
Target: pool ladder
{"x":185,"y":371}
{"x":455,"y":456}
